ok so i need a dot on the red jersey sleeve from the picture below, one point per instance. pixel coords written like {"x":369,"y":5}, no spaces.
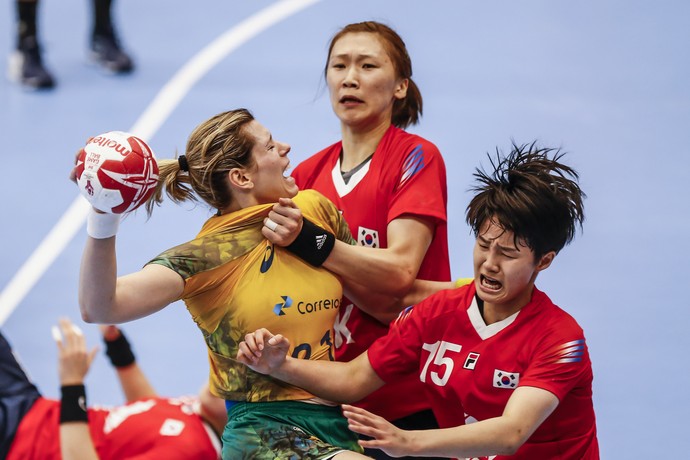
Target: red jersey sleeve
{"x":397,"y":353}
{"x":561,"y":360}
{"x":421,"y":188}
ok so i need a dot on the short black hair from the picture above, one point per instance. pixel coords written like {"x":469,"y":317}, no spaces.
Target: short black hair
{"x":531,"y":193}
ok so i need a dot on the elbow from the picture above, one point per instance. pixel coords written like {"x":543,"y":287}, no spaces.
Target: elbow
{"x":358,"y":389}
{"x":92,"y":315}
{"x":403,"y":282}
{"x":86,"y":315}
{"x":346,"y":396}
{"x":508,"y":450}
{"x":352,"y":383}
{"x":510,"y":443}
{"x":351,"y":396}
{"x":387,"y":316}
{"x":86,"y":307}
{"x":408,"y":280}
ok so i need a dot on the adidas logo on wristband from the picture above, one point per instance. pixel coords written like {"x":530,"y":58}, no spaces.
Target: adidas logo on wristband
{"x":304,"y":247}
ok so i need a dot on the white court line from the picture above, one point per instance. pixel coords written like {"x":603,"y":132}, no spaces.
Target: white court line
{"x":167,"y":99}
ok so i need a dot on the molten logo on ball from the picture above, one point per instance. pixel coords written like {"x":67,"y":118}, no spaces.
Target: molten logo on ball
{"x":117,"y":172}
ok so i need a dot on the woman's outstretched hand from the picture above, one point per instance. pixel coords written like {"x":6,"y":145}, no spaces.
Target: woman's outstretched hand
{"x":384,"y":435}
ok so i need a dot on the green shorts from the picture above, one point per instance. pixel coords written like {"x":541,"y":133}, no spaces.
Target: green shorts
{"x":286,"y":430}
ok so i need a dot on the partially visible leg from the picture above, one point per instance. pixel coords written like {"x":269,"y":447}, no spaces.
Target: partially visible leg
{"x":287,"y":430}
{"x":26,"y":65}
{"x":105,"y":46}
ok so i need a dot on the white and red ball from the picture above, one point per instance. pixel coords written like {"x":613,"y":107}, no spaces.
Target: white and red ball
{"x":116,"y":172}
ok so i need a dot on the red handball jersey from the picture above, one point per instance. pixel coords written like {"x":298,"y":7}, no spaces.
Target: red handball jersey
{"x":406,"y":176}
{"x":144,"y":429}
{"x":470,"y":369}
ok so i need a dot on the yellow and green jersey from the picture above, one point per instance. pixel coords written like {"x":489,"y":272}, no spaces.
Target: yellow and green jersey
{"x":236,"y":281}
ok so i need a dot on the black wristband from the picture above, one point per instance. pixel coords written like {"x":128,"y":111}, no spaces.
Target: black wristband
{"x":119,"y":351}
{"x":313,"y":244}
{"x":73,"y":404}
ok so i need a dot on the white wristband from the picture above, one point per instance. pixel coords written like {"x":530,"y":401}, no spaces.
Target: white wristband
{"x":101,"y":226}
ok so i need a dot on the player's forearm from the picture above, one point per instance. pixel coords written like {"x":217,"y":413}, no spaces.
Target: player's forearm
{"x":382,"y":270}
{"x":526,"y":410}
{"x":98,"y":280}
{"x":75,"y":437}
{"x":421,"y":289}
{"x":135,"y":385}
{"x":76,"y":442}
{"x":309,"y":375}
{"x":384,"y":308}
{"x":493,"y":436}
{"x":335,"y":381}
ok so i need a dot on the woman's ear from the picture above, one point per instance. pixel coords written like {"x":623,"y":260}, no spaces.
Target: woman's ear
{"x":546,"y":260}
{"x":401,"y":89}
{"x":239,"y":179}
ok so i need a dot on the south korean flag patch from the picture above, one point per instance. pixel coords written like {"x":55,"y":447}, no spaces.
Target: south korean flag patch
{"x":367,"y":237}
{"x":503,"y":379}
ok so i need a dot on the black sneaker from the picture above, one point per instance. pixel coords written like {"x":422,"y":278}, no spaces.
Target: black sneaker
{"x":106,"y":52}
{"x":26,"y":66}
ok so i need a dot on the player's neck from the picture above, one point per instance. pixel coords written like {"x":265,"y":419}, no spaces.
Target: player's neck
{"x":493,"y":315}
{"x":495,"y":312}
{"x":358,"y":145}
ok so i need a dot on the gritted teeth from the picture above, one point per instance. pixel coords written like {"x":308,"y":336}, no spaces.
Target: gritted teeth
{"x":490,"y":282}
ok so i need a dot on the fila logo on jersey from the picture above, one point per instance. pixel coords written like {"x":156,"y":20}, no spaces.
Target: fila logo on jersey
{"x":471,"y":361}
{"x":503,"y":379}
{"x":287,"y":303}
{"x":367,"y":237}
{"x":320,"y":239}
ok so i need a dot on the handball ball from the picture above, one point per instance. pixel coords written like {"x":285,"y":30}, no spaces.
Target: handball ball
{"x":116,"y":172}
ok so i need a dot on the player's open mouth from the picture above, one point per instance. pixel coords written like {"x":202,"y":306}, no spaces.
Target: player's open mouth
{"x":490,"y":283}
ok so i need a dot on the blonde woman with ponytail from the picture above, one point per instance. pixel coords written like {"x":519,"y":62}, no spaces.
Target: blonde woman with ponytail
{"x":233,"y":280}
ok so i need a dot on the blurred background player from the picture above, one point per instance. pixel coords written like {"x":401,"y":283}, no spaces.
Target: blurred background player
{"x":26,"y":65}
{"x":147,"y":426}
